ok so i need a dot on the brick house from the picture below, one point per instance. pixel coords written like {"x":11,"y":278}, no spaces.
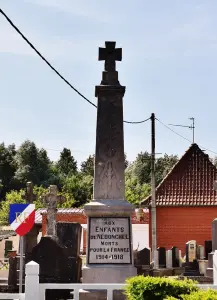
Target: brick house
{"x":77,"y":215}
{"x":186,"y":202}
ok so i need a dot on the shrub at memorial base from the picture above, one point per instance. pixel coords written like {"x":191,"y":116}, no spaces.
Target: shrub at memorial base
{"x":157,"y":288}
{"x":200,"y":295}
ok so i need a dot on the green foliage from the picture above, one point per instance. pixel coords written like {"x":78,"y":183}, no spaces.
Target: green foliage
{"x":67,"y":164}
{"x":201,"y":295}
{"x":141,"y":167}
{"x":32,"y":164}
{"x":142,"y":288}
{"x":7,"y":168}
{"x":164,"y":165}
{"x":80,"y":187}
{"x":87,"y":166}
{"x":136,"y":192}
{"x":11,"y":198}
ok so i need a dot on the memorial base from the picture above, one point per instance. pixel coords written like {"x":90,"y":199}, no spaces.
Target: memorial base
{"x":107,"y":274}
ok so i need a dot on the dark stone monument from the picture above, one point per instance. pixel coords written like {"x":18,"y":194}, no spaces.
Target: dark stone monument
{"x":69,"y":235}
{"x":175,"y":257}
{"x":143,"y":258}
{"x":161,"y":257}
{"x":208,"y":248}
{"x":192,"y":269}
{"x":12,"y":275}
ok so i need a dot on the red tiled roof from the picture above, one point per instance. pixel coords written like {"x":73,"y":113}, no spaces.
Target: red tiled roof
{"x":41,"y":211}
{"x":189,"y":183}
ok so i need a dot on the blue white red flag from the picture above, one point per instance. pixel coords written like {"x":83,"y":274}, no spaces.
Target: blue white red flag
{"x":22,"y":218}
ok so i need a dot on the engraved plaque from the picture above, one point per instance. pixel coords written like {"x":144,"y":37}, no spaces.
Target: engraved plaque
{"x":109,"y":241}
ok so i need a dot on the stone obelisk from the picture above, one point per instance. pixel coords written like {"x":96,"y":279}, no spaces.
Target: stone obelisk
{"x":109,"y":251}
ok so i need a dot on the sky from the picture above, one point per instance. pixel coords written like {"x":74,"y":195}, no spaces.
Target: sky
{"x":169,"y":67}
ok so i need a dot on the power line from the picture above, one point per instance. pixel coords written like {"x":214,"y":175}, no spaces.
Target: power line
{"x":44,"y":59}
{"x":173,"y":130}
{"x":54,"y":69}
{"x":205,"y":149}
{"x":138,"y":122}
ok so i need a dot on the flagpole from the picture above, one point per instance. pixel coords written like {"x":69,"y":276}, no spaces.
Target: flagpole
{"x":21,"y":266}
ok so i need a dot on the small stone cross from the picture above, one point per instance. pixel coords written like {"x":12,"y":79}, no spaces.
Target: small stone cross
{"x":51,"y":199}
{"x":110,"y":54}
{"x":29,"y":196}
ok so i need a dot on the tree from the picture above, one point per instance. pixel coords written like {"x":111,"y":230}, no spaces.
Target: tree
{"x":32,"y":164}
{"x":164,"y":165}
{"x":87,"y":166}
{"x":141,"y":167}
{"x":67,"y":164}
{"x":136,"y":192}
{"x":80,"y":187}
{"x":7,"y":168}
{"x":126,"y":162}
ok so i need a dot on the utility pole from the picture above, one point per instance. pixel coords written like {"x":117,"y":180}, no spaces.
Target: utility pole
{"x":153,"y":192}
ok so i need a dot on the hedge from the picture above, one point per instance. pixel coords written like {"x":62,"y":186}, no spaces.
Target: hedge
{"x":158,"y":288}
{"x":200,"y":295}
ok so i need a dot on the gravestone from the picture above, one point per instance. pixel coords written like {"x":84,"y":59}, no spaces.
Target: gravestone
{"x":200,"y":252}
{"x":161,"y":257}
{"x":169,"y":261}
{"x":208,"y":248}
{"x":8,"y":247}
{"x":109,"y":251}
{"x":69,"y":236}
{"x":191,"y":253}
{"x":209,"y":270}
{"x":191,"y":265}
{"x":175,"y":257}
{"x":144,"y":257}
{"x":52,"y":257}
{"x":180,"y":258}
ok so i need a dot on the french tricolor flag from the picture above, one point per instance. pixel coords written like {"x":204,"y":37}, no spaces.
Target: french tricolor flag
{"x":22,"y":218}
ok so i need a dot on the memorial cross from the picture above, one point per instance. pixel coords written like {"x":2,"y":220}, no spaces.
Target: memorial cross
{"x":29,"y":196}
{"x":110,"y":54}
{"x":51,"y":199}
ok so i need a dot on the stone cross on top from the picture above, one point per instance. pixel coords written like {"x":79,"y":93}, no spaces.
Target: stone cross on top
{"x":29,"y":196}
{"x":110,"y":54}
{"x":51,"y":199}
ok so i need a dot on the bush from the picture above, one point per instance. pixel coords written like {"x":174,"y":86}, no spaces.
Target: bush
{"x":159,"y":288}
{"x":201,"y":295}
